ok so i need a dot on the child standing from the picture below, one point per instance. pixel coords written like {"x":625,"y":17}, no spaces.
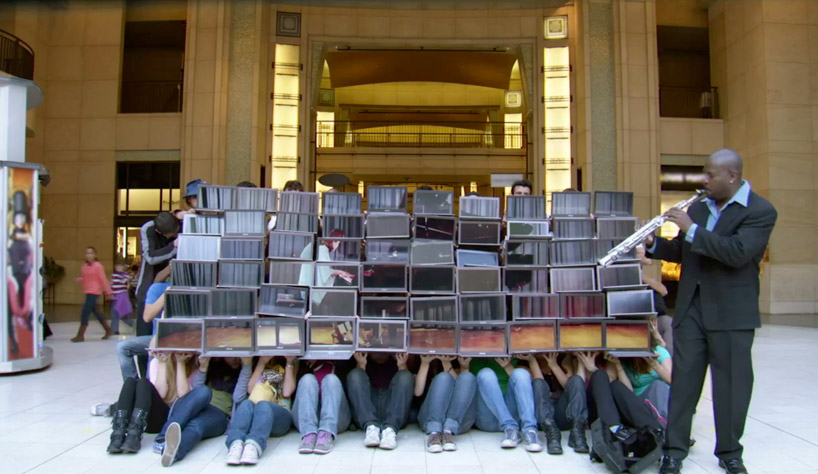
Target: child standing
{"x":121,"y":307}
{"x":93,"y":280}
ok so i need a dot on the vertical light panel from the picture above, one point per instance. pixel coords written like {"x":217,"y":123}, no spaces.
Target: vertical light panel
{"x":286,"y":102}
{"x":326,"y":129}
{"x":513,"y":131}
{"x":557,"y":103}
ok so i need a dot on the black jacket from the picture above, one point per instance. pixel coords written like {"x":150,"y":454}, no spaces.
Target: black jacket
{"x":724,"y":263}
{"x":157,"y":251}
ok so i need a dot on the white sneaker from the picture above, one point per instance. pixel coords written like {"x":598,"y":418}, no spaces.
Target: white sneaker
{"x":251,"y":454}
{"x":173,"y":438}
{"x":388,"y":439}
{"x":234,"y":453}
{"x":373,"y":436}
{"x":101,"y":409}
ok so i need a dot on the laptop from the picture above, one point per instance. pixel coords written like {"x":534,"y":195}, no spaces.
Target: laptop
{"x":229,"y":337}
{"x":331,"y":338}
{"x":382,"y":335}
{"x":277,"y":336}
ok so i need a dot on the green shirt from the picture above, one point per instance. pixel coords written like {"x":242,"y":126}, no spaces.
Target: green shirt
{"x":486,"y":362}
{"x":641,"y":382}
{"x":222,"y":400}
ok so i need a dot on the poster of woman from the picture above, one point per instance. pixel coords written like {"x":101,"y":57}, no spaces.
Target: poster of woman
{"x":20,"y":267}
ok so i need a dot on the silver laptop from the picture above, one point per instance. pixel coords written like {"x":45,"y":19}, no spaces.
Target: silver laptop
{"x":331,"y":338}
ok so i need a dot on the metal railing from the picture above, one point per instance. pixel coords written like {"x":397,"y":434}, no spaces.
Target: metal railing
{"x":689,"y":102}
{"x":499,"y":135}
{"x":16,"y":56}
{"x":143,"y":97}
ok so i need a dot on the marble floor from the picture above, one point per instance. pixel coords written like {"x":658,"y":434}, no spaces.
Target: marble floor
{"x":45,"y":426}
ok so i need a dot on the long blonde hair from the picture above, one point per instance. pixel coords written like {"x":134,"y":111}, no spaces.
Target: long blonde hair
{"x":170,"y":373}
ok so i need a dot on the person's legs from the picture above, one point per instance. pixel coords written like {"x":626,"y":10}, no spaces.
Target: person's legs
{"x":462,"y":407}
{"x":114,"y":320}
{"x":689,"y":369}
{"x":269,"y":419}
{"x":634,"y":412}
{"x":305,"y":406}
{"x":572,"y":411}
{"x":602,"y":398}
{"x":521,"y":391}
{"x":158,"y":413}
{"x":397,"y":401}
{"x":434,"y":407}
{"x":731,"y":369}
{"x":126,"y":349}
{"x":493,"y":401}
{"x":186,"y":408}
{"x":334,"y":407}
{"x":145,"y":395}
{"x":87,"y":307}
{"x":240,"y":423}
{"x":119,"y":425}
{"x":359,"y":391}
{"x":543,"y":406}
{"x":209,"y":423}
{"x":658,"y":395}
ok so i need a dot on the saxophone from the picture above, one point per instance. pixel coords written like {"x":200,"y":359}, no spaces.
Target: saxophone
{"x":640,"y":235}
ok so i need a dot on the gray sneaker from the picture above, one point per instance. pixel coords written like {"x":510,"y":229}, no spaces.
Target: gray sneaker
{"x":511,"y":439}
{"x":323,"y":445}
{"x":531,"y":440}
{"x":307,"y":444}
{"x":448,"y":441}
{"x":434,"y":443}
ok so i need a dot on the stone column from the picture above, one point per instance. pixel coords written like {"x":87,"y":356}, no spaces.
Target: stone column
{"x":764,"y":59}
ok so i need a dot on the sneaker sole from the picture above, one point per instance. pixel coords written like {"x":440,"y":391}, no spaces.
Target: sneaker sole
{"x":305,"y":451}
{"x":533,"y":448}
{"x":173,"y":437}
{"x":509,"y":445}
{"x":372,"y":444}
{"x":322,"y":451}
{"x":435,"y":449}
{"x":450,"y":447}
{"x":236,"y":462}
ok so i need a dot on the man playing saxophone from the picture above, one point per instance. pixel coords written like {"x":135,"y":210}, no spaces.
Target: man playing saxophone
{"x":720,"y":244}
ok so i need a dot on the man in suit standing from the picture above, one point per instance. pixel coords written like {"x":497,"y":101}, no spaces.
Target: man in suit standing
{"x":721,"y":242}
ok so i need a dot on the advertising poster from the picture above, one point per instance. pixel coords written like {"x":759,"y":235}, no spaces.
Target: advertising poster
{"x":20,"y":278}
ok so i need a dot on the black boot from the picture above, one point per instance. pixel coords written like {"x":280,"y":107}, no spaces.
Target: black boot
{"x":133,"y":438}
{"x":576,"y":437}
{"x":553,"y":437}
{"x":119,"y":426}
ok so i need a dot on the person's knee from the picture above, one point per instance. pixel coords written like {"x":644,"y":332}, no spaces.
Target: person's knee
{"x":201,"y":392}
{"x":356,"y":377}
{"x":403,"y":378}
{"x":520,"y":376}
{"x":599,"y":376}
{"x":330,"y":382}
{"x":307,"y":382}
{"x":574,"y":382}
{"x":487,"y":376}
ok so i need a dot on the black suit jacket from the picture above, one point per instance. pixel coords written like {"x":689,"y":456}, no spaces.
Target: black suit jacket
{"x":724,"y":263}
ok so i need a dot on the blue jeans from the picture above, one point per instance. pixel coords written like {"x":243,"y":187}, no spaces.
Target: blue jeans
{"x":255,"y":422}
{"x":569,"y":407}
{"x":198,"y":419}
{"x":126,"y":349}
{"x":90,"y":306}
{"x":496,"y":412}
{"x":327,"y":411}
{"x":383,"y":408}
{"x":450,"y":405}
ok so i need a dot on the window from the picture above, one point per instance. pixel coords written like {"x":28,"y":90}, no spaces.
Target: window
{"x":144,"y":189}
{"x":152,"y":67}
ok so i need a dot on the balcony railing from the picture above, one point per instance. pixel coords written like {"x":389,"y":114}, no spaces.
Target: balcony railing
{"x":16,"y":56}
{"x":689,"y":102}
{"x":497,"y":135}
{"x":144,"y":97}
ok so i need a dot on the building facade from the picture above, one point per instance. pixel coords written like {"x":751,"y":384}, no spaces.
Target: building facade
{"x":141,"y":96}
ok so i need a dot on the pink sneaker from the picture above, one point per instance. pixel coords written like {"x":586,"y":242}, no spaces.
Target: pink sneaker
{"x":307,"y":444}
{"x":324,"y":443}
